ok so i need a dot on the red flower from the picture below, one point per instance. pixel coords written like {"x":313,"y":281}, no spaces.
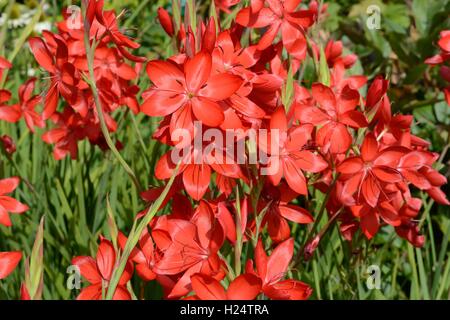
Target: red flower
{"x":244,"y":287}
{"x":25,"y":107}
{"x":8,"y":204}
{"x":66,"y":136}
{"x":8,"y":262}
{"x":63,"y":75}
{"x":369,"y":172}
{"x":108,"y":30}
{"x":370,"y":217}
{"x":192,"y":92}
{"x":279,"y":15}
{"x":193,"y":248}
{"x":333,"y":114}
{"x":286,"y":155}
{"x":272,"y":269}
{"x":98,"y":273}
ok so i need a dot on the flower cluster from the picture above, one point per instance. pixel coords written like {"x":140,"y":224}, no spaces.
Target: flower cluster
{"x":64,"y":57}
{"x":328,"y":137}
{"x":8,"y":260}
{"x":441,"y":58}
{"x":286,"y":140}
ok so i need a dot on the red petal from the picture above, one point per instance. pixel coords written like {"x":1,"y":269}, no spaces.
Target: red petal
{"x":370,"y":190}
{"x":8,"y":185}
{"x":308,"y":161}
{"x":261,"y":260}
{"x":369,"y":148}
{"x":278,"y":262}
{"x":106,"y":259}
{"x":268,"y":37}
{"x":279,"y":120}
{"x":166,"y":74}
{"x":8,"y":262}
{"x":207,"y":288}
{"x":294,"y":176}
{"x":42,"y":54}
{"x":351,"y":166}
{"x":444,"y":43}
{"x":221,"y":86}
{"x":161,"y":103}
{"x":88,"y":268}
{"x":93,"y":292}
{"x":354,"y":119}
{"x":296,"y":214}
{"x":311,"y":115}
{"x":197,"y":71}
{"x":10,"y":114}
{"x":196,"y":180}
{"x":370,"y":224}
{"x":259,"y":19}
{"x":387,"y":174}
{"x":288,"y":290}
{"x":324,"y":96}
{"x":244,"y":287}
{"x":12,"y":205}
{"x":207,"y":111}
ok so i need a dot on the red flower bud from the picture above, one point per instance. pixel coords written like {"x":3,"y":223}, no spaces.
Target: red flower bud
{"x":8,"y":144}
{"x":310,"y":247}
{"x":166,"y":21}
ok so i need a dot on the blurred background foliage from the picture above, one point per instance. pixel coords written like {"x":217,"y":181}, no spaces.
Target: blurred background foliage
{"x":72,"y":193}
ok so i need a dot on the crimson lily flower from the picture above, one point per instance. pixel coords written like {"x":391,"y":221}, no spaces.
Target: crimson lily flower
{"x":287,"y":157}
{"x":8,"y":204}
{"x":370,"y":171}
{"x":279,"y":15}
{"x":108,"y":30}
{"x":25,"y":107}
{"x":98,"y":273}
{"x":244,"y":287}
{"x":334,"y":114}
{"x":271,"y":271}
{"x":66,"y":135}
{"x":8,"y":262}
{"x":279,"y":211}
{"x":192,"y":92}
{"x":228,"y":56}
{"x":193,"y":249}
{"x":63,"y":75}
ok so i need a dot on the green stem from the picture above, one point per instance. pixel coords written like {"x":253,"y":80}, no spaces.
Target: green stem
{"x":92,"y":83}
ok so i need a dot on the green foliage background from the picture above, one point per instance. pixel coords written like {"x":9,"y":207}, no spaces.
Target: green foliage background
{"x":72,"y":194}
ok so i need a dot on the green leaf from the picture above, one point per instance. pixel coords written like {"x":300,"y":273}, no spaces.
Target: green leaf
{"x":34,"y":274}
